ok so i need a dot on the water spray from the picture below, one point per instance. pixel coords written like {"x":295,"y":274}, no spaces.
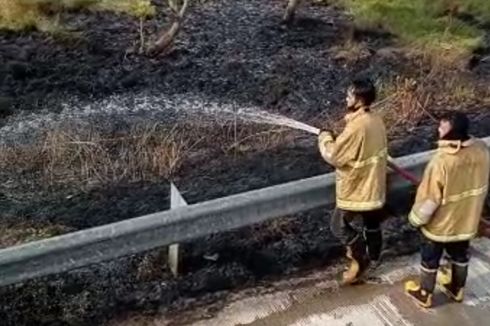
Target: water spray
{"x":259,"y":116}
{"x":265,"y":117}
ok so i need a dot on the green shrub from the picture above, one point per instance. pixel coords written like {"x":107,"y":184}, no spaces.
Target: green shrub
{"x":432,"y":25}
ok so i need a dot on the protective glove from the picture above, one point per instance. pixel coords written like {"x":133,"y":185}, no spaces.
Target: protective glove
{"x":484,"y":228}
{"x":325,"y":135}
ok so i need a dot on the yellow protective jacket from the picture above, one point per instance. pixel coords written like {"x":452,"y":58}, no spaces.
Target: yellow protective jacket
{"x":359,"y":155}
{"x":450,"y":198}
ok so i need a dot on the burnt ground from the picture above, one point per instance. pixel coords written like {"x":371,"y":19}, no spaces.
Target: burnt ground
{"x":229,"y":52}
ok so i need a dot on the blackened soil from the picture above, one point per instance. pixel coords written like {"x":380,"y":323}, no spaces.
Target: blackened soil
{"x":229,"y":51}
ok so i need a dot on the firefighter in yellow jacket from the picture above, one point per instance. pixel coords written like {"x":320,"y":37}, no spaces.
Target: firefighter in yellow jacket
{"x":359,"y":155}
{"x":448,"y":208}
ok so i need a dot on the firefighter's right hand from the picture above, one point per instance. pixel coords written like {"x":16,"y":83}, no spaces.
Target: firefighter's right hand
{"x":325,"y":136}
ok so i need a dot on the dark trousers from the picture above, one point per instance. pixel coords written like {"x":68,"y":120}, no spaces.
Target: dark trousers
{"x":431,"y":251}
{"x":340,"y":225}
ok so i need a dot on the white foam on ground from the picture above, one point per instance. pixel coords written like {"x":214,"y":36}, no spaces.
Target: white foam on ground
{"x":393,"y":272}
{"x":378,"y":312}
{"x":478,"y":285}
{"x":248,"y":310}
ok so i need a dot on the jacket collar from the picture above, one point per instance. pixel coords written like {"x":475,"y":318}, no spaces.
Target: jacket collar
{"x":454,"y":146}
{"x":349,"y":117}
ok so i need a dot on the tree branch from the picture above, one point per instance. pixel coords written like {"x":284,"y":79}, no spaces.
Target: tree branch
{"x":290,"y":11}
{"x":166,"y":38}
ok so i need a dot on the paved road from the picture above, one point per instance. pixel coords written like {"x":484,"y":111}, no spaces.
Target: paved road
{"x":323,"y":303}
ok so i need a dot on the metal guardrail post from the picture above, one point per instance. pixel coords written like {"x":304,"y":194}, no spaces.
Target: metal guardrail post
{"x":176,"y":200}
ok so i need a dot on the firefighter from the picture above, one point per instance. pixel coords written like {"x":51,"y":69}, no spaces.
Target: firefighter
{"x":448,"y":208}
{"x":359,"y":155}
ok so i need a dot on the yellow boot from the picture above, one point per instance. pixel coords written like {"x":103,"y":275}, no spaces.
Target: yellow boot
{"x":350,"y":275}
{"x":454,"y":287}
{"x":421,"y":291}
{"x":444,"y":275}
{"x":359,"y":261}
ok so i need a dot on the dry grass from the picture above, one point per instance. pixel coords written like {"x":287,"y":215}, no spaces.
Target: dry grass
{"x":256,"y":140}
{"x":87,"y":156}
{"x":43,"y":15}
{"x":16,"y":15}
{"x":407,"y":101}
{"x":81,"y":157}
{"x":153,"y":265}
{"x":137,"y":8}
{"x":11,"y":235}
{"x":350,"y":52}
{"x":231,"y":138}
{"x":272,"y":230}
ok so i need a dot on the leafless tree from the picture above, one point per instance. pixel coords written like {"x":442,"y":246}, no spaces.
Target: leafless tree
{"x":167,"y":37}
{"x":290,"y":10}
{"x":179,"y":9}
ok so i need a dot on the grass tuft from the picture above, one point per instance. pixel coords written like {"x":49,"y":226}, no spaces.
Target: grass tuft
{"x":83,"y":157}
{"x":11,"y":235}
{"x":137,"y":8}
{"x":43,"y":14}
{"x":73,"y":156}
{"x":407,"y":101}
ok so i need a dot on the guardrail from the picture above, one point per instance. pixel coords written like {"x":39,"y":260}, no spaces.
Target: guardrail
{"x":91,"y":246}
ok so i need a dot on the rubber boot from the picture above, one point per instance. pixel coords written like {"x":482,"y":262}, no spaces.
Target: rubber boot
{"x":374,"y":242}
{"x":422,"y":291}
{"x":444,"y":273}
{"x":454,"y":289}
{"x":359,"y":261}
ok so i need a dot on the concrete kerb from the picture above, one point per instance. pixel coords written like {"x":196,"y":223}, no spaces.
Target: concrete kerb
{"x":82,"y":248}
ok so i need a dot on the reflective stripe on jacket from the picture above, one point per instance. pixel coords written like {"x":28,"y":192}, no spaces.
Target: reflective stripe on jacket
{"x":450,"y":198}
{"x":359,"y":155}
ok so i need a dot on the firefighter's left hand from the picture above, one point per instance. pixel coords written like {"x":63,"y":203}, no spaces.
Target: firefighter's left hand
{"x":484,"y":228}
